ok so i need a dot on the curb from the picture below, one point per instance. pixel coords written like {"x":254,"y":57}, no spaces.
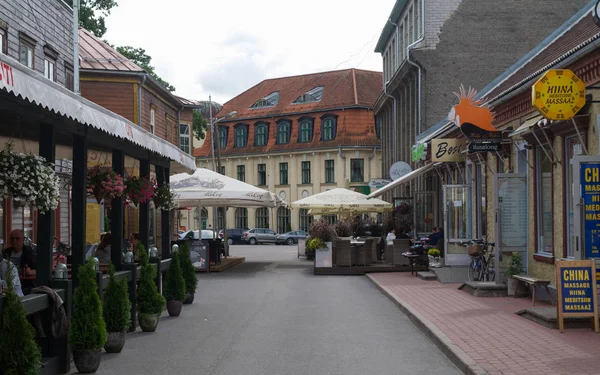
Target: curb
{"x":454,"y":353}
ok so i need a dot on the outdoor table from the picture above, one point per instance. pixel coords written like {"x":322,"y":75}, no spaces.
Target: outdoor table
{"x":412,"y":259}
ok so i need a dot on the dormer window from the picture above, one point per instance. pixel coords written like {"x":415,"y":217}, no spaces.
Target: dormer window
{"x":328,"y":127}
{"x":268,"y":101}
{"x":223,"y":137}
{"x":261,"y":134}
{"x":284,"y":128}
{"x":310,"y":96}
{"x":241,"y":136}
{"x":305,"y":127}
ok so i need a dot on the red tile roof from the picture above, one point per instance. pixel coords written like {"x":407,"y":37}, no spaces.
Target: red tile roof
{"x":97,"y":55}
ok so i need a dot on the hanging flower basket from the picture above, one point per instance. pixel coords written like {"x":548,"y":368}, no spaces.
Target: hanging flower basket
{"x":164,"y":197}
{"x":104,"y":183}
{"x":403,"y":208}
{"x":138,"y":190}
{"x":28,"y":179}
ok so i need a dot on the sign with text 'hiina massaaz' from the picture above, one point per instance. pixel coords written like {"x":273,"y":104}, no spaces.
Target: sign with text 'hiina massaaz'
{"x":576,"y":291}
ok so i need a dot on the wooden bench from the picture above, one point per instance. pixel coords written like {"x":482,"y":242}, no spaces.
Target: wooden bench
{"x":534,"y":282}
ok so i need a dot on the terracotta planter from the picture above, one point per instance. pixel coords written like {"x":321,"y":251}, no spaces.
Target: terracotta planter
{"x":174,"y":307}
{"x":148,"y":322}
{"x":115,"y":341}
{"x":189,"y":298}
{"x":87,"y":361}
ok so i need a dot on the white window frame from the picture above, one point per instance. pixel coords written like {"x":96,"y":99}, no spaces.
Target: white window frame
{"x":3,"y":41}
{"x":50,"y":69}
{"x":30,"y":54}
{"x":184,"y":136}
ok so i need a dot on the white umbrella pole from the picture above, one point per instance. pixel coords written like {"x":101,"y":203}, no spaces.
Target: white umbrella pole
{"x":226,"y":244}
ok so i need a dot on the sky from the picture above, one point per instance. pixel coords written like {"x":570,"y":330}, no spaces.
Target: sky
{"x":222,"y":48}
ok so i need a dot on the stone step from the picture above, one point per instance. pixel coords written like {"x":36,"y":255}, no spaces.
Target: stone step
{"x":484,"y":288}
{"x":546,"y":316}
{"x":426,"y":275}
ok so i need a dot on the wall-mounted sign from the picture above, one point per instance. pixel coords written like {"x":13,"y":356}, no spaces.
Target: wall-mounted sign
{"x":378,"y":183}
{"x":419,"y":152}
{"x":559,"y":94}
{"x":399,"y":169}
{"x":484,"y":147}
{"x":590,"y":193}
{"x":362,"y":189}
{"x":450,"y":149}
{"x":576,"y":291}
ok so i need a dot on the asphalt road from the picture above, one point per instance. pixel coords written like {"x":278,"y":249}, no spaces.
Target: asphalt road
{"x":271,"y":316}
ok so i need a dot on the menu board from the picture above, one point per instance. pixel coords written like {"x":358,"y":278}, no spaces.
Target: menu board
{"x":93,"y":225}
{"x":512,"y":202}
{"x":199,"y":255}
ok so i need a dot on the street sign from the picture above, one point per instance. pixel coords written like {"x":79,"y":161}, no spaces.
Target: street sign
{"x":559,"y":94}
{"x":484,"y":147}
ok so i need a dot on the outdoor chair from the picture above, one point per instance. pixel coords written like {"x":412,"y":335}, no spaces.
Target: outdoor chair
{"x":374,"y":246}
{"x":400,"y":246}
{"x":345,"y":253}
{"x":363,"y":252}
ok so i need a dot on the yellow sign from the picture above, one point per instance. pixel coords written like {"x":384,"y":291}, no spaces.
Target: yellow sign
{"x":92,"y":225}
{"x":559,"y":94}
{"x":450,"y":149}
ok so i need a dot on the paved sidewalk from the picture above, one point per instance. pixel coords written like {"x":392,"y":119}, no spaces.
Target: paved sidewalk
{"x":484,"y":335}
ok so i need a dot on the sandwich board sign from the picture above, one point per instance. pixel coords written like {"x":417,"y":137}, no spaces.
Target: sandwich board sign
{"x":576,"y":291}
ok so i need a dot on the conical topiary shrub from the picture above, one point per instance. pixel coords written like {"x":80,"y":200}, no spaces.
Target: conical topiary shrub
{"x":19,"y":353}
{"x":116,"y":309}
{"x":150,"y":302}
{"x":87,"y":335}
{"x":174,"y":286}
{"x":189,"y":274}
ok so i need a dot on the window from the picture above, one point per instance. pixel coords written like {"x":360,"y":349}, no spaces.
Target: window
{"x":328,"y":128}
{"x":573,"y":147}
{"x":262,"y":217}
{"x":331,"y":219}
{"x":184,"y":138}
{"x":378,"y":122}
{"x":69,"y":77}
{"x":241,"y":173}
{"x":204,"y":218}
{"x":283,"y":173}
{"x":544,"y":202}
{"x":329,"y":171}
{"x":241,"y":136}
{"x":152,"y":119}
{"x":357,"y":167}
{"x":223,"y":130}
{"x":222,"y":170}
{"x":26,"y":55}
{"x":49,"y":69}
{"x":306,"y":130}
{"x":481,"y":186}
{"x":305,"y":220}
{"x":3,"y":42}
{"x":283,"y":220}
{"x":283,"y":132}
{"x":268,"y":101}
{"x":311,"y":96}
{"x":241,"y":218}
{"x":152,"y":225}
{"x":306,"y":172}
{"x":261,"y":132}
{"x":262,"y":174}
{"x":220,"y":221}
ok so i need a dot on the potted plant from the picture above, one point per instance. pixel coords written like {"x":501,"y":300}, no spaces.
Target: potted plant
{"x":87,"y":334}
{"x":514,"y":268}
{"x":174,"y":286}
{"x":326,"y":232}
{"x":19,"y":352}
{"x":343,"y":228}
{"x":188,"y":272}
{"x":116,"y":309}
{"x":310,"y":248}
{"x":434,"y":257}
{"x":150,"y":302}
{"x":104,"y":183}
{"x":163,"y":197}
{"x":138,"y":190}
{"x":28,"y":179}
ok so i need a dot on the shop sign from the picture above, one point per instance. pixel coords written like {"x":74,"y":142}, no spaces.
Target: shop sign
{"x":484,"y":147}
{"x":590,"y":193}
{"x":362,"y":189}
{"x":576,"y":291}
{"x":559,"y":94}
{"x":450,"y":149}
{"x":399,"y":169}
{"x":378,"y":183}
{"x":419,"y":152}
{"x":6,"y":75}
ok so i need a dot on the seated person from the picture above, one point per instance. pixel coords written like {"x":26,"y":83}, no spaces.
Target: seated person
{"x":391,"y":237}
{"x":103,"y":250}
{"x":433,"y":237}
{"x":134,"y":245}
{"x":412,"y":234}
{"x":7,"y":269}
{"x":21,"y":256}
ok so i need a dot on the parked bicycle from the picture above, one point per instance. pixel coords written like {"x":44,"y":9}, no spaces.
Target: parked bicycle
{"x":482,"y":263}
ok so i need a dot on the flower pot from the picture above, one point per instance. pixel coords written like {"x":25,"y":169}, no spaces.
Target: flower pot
{"x":115,"y":341}
{"x":189,"y":298}
{"x":99,"y":194}
{"x":87,"y":361}
{"x":174,"y":307}
{"x":148,"y":322}
{"x":511,"y":283}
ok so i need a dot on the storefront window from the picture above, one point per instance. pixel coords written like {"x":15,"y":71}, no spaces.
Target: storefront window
{"x":544,"y":202}
{"x":573,"y":148}
{"x":458,"y":208}
{"x":481,"y":211}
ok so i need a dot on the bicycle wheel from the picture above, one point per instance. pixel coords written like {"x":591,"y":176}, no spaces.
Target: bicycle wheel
{"x":475,"y":270}
{"x":490,"y":270}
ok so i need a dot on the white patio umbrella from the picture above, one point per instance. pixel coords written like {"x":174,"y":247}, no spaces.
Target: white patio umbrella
{"x":342,"y":201}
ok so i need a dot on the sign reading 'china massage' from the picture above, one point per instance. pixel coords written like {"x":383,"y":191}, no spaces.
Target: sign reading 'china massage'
{"x":559,"y":94}
{"x":576,"y":291}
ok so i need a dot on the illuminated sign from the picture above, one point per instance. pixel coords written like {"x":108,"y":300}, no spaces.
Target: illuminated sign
{"x":419,"y":152}
{"x":559,"y":94}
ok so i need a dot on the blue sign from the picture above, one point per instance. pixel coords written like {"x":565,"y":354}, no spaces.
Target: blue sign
{"x":590,"y":193}
{"x":577,"y":284}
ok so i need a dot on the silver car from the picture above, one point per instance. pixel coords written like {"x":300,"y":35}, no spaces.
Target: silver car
{"x":291,"y":238}
{"x":259,"y":235}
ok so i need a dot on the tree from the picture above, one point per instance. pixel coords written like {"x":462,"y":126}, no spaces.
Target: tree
{"x":143,"y":60}
{"x":200,"y":125}
{"x":92,"y":14}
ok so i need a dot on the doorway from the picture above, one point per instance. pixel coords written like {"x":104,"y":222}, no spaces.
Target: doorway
{"x":458,"y":223}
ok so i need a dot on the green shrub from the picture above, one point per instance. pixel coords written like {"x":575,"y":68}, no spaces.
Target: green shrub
{"x":174,"y":284}
{"x":19,"y":353}
{"x":323,"y":230}
{"x":433,"y":252}
{"x":311,"y":247}
{"x":149,"y":300}
{"x":116,"y":307}
{"x":88,"y":330}
{"x":187,"y":268}
{"x":516,"y":265}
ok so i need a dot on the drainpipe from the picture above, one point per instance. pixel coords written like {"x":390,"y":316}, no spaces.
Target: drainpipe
{"x":408,"y":49}
{"x":76,"y":47}
{"x":344,"y":159}
{"x":395,"y":129}
{"x":140,"y":99}
{"x":371,"y":158}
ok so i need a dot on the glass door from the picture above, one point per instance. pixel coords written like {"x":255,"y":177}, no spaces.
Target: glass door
{"x":458,"y":223}
{"x":425,"y":214}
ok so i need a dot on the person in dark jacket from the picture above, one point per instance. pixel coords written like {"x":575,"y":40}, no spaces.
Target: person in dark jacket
{"x":20,"y":255}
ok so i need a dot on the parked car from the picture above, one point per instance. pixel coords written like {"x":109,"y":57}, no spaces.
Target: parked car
{"x":234,"y":235}
{"x":207,"y":234}
{"x":290,"y":238}
{"x":259,"y":235}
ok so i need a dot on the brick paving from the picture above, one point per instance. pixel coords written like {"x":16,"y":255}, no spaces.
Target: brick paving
{"x":487,"y":335}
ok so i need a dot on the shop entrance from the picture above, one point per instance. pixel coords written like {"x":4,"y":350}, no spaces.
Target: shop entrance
{"x":585,"y":235}
{"x":458,"y":223}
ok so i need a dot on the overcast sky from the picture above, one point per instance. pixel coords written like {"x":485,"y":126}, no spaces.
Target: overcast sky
{"x":224,"y":47}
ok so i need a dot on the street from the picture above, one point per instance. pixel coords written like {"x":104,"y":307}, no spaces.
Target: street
{"x":270,"y":315}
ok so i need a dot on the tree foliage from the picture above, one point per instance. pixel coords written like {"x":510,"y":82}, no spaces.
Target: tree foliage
{"x":116,"y":306}
{"x":92,"y":15}
{"x":174,"y":284}
{"x":149,"y":300}
{"x":200,"y":125}
{"x":143,"y":60}
{"x":187,"y":268}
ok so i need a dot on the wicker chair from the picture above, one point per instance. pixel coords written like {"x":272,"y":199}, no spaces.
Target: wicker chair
{"x":345,"y":253}
{"x":374,"y":246}
{"x":400,"y":246}
{"x":363,"y":252}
